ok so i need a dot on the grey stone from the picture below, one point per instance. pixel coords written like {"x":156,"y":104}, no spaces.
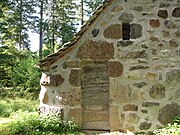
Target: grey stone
{"x":177,"y":33}
{"x":145,"y":125}
{"x":134,"y":54}
{"x":54,"y":67}
{"x":95,"y":32}
{"x":131,"y":117}
{"x":177,"y":94}
{"x":154,"y":39}
{"x":163,"y":14}
{"x":169,"y":24}
{"x":150,"y":133}
{"x":138,"y":8}
{"x":165,"y":33}
{"x":173,"y":43}
{"x":144,"y":111}
{"x":154,"y":51}
{"x":178,"y":52}
{"x":176,"y":12}
{"x":126,"y":18}
{"x":140,"y":85}
{"x":135,"y":31}
{"x":168,"y":112}
{"x":157,"y":91}
{"x":124,"y":43}
{"x":137,"y":67}
{"x":146,"y":13}
{"x":144,"y":46}
{"x":150,"y":104}
{"x":74,"y":77}
{"x":162,"y":5}
{"x":173,"y":76}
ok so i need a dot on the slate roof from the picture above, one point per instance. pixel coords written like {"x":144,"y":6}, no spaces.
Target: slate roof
{"x":50,"y":59}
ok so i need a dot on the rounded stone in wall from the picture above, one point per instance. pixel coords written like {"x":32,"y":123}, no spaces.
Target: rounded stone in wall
{"x":168,"y":112}
{"x":96,"y":50}
{"x":113,"y":32}
{"x":145,"y":125}
{"x":169,"y":24}
{"x":157,"y":91}
{"x":176,"y":12}
{"x":163,"y":14}
{"x":177,"y":33}
{"x":138,"y":8}
{"x":154,"y":23}
{"x":115,"y":69}
{"x":56,"y":80}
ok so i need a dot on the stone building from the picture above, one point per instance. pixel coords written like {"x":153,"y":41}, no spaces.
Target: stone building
{"x":120,"y":71}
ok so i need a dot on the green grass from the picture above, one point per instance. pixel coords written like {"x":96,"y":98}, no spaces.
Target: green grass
{"x":10,"y":107}
{"x":19,"y":116}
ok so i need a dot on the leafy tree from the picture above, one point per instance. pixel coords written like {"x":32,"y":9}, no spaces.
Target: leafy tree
{"x":86,"y":8}
{"x":25,"y":76}
{"x":6,"y":66}
{"x":17,"y":19}
{"x":59,"y":27}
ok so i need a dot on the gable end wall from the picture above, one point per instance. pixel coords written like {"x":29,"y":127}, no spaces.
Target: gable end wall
{"x":143,"y":72}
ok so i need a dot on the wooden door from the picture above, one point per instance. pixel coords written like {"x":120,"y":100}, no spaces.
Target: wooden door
{"x":95,"y":96}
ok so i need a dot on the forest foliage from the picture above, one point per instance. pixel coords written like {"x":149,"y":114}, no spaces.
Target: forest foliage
{"x":56,"y":21}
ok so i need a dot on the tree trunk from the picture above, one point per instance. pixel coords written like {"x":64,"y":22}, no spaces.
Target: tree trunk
{"x":21,"y":25}
{"x":82,"y":12}
{"x":41,"y":30}
{"x":53,"y":34}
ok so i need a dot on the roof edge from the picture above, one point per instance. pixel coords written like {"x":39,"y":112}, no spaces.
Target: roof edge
{"x":52,"y":58}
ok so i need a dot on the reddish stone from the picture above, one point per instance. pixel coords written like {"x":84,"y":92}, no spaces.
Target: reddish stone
{"x":154,"y":23}
{"x":51,"y":80}
{"x":113,"y":32}
{"x":115,"y":69}
{"x":56,"y":80}
{"x":176,"y":12}
{"x":96,"y":50}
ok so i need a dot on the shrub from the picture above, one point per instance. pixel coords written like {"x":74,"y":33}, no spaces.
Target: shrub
{"x":34,"y":125}
{"x":170,"y":129}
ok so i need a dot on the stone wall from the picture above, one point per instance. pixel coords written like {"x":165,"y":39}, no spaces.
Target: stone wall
{"x":139,"y":88}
